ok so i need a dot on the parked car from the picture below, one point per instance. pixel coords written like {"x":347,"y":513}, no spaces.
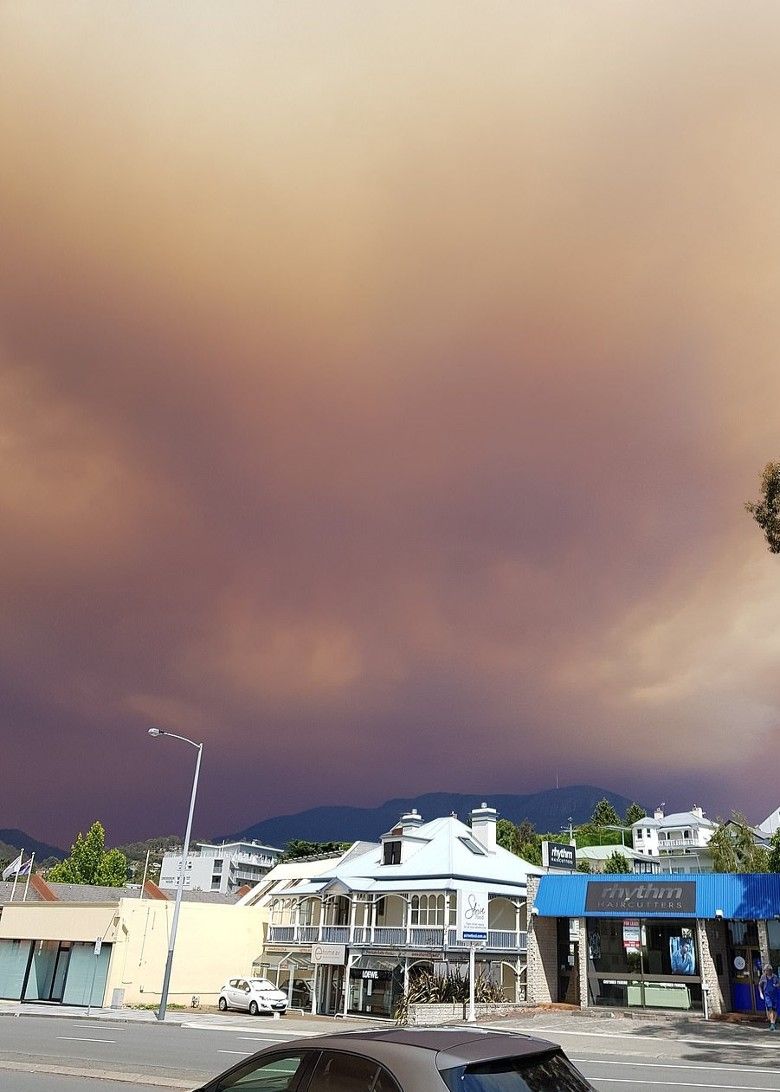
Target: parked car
{"x":463,"y":1059}
{"x":252,"y":995}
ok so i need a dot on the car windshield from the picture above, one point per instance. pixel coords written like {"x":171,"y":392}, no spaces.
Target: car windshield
{"x":551,"y":1072}
{"x":262,"y":984}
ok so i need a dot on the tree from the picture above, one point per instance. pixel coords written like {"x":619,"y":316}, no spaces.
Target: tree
{"x":766,"y":511}
{"x":734,"y":848}
{"x":604,"y":815}
{"x":531,"y":851}
{"x":773,"y":856}
{"x":90,"y":862}
{"x":506,"y":835}
{"x":526,"y":831}
{"x":298,"y":847}
{"x":590,"y":835}
{"x":634,"y":812}
{"x":617,"y":862}
{"x":584,"y":866}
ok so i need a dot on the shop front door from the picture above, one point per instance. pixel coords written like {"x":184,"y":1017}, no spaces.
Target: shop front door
{"x":745,"y":973}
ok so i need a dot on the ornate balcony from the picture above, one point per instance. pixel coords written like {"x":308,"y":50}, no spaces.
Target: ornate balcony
{"x":412,"y":937}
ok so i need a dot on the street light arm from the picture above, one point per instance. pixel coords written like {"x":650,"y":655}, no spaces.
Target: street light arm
{"x":173,"y":735}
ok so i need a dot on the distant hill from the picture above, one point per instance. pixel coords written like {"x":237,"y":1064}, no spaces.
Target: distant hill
{"x":11,"y":841}
{"x":548,"y":811}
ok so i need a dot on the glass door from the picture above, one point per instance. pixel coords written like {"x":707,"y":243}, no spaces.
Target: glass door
{"x":745,"y":972}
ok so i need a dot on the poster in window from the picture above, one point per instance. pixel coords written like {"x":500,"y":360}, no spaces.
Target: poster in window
{"x":683,"y":953}
{"x":632,"y":935}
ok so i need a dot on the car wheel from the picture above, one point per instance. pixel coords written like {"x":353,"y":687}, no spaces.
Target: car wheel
{"x":222,"y":1004}
{"x":253,"y":1009}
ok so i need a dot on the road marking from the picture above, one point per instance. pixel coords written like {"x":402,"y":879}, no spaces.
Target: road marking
{"x":685,"y":1084}
{"x":243,"y":1053}
{"x":290,"y":1032}
{"x":83,"y":1039}
{"x":635,"y":1038}
{"x":254,"y":1039}
{"x":670,"y":1065}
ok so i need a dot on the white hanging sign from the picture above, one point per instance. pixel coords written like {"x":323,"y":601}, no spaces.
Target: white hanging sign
{"x":472,"y":917}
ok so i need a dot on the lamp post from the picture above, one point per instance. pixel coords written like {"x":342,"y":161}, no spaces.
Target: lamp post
{"x":180,"y":886}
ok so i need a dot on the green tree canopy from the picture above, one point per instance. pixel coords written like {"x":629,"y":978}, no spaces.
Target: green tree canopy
{"x":617,"y":862}
{"x":734,"y":848}
{"x":298,"y":847}
{"x":526,"y":831}
{"x":531,"y":851}
{"x":90,"y":862}
{"x":773,"y":855}
{"x":604,"y":815}
{"x":506,"y":835}
{"x":591,"y":835}
{"x":634,"y":812}
{"x":766,"y":510}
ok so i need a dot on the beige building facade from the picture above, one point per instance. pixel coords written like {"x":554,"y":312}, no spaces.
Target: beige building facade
{"x":114,"y":952}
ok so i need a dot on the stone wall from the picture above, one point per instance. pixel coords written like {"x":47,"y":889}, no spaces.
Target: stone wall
{"x":455,"y":1012}
{"x":708,"y":946}
{"x":542,"y":952}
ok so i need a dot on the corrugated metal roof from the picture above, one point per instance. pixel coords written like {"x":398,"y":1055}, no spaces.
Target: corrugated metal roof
{"x":740,"y":896}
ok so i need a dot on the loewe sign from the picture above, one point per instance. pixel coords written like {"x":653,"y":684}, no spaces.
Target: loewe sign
{"x":642,"y":898}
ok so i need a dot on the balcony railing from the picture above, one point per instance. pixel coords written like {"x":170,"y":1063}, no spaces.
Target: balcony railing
{"x":391,"y":936}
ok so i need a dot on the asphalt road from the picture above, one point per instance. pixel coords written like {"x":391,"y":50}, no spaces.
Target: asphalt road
{"x":648,"y":1056}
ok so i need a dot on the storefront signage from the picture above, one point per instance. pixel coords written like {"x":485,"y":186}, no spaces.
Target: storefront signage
{"x":642,"y":897}
{"x":559,"y":855}
{"x":472,"y":917}
{"x":333,"y":954}
{"x":372,"y":976}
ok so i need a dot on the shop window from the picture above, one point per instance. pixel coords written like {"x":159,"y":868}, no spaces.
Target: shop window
{"x":649,"y":963}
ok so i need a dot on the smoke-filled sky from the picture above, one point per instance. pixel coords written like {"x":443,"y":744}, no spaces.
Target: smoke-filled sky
{"x":381,"y":385}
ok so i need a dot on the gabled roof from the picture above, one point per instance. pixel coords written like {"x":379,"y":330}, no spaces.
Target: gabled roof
{"x":602,"y":853}
{"x":771,"y":823}
{"x":685,"y":819}
{"x":442,"y":854}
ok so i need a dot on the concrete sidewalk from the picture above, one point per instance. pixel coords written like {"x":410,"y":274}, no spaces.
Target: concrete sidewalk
{"x":619,"y":1023}
{"x":290,"y":1025}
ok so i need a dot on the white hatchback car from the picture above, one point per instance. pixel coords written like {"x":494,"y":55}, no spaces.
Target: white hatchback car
{"x":252,"y":995}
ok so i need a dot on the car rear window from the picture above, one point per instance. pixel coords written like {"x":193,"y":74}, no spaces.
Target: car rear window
{"x":551,"y":1072}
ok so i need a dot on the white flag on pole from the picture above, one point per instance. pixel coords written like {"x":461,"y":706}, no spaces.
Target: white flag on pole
{"x":14,"y":867}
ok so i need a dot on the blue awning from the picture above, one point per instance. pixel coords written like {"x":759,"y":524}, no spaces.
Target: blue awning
{"x":740,"y":897}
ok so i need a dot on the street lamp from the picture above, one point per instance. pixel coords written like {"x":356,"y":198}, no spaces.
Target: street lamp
{"x":180,"y":886}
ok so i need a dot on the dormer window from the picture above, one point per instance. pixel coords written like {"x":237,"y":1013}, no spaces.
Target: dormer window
{"x":392,"y":852}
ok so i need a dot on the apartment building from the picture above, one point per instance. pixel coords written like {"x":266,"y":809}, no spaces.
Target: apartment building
{"x":225,"y":867}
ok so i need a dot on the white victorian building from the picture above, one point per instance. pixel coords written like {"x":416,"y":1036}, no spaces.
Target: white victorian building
{"x":379,"y":910}
{"x":680,"y":839}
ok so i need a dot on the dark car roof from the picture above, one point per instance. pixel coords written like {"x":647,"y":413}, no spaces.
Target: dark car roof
{"x":451,"y":1046}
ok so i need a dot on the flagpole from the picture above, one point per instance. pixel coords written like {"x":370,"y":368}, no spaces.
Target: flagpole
{"x":29,"y":873}
{"x":19,"y":859}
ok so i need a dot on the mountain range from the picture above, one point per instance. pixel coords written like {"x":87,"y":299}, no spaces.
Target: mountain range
{"x":12,"y":840}
{"x":550,"y":810}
